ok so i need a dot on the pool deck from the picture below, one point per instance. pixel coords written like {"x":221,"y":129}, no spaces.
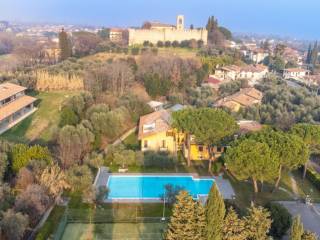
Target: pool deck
{"x":104,"y":174}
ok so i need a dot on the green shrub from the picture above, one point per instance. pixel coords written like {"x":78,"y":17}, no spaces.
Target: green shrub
{"x":281,"y":220}
{"x":313,"y":177}
{"x":135,"y":51}
{"x":22,"y":155}
{"x":68,"y":117}
{"x":160,"y":160}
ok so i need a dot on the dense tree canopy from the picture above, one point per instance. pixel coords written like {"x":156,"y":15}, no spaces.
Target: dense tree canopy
{"x":283,"y":105}
{"x":208,"y":126}
{"x":290,"y":150}
{"x":247,"y":158}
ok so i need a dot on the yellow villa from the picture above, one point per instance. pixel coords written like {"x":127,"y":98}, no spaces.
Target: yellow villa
{"x":156,"y":134}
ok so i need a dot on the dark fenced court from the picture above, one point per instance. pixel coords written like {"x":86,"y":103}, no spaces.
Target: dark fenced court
{"x":109,"y":224}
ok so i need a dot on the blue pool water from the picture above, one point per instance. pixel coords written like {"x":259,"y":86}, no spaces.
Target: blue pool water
{"x":152,"y":187}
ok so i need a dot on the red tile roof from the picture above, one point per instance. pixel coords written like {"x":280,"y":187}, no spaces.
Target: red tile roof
{"x":160,"y":121}
{"x":9,"y":89}
{"x":15,"y":106}
{"x":213,"y":80}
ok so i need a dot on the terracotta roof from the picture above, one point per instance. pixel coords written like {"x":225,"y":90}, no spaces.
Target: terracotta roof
{"x":260,"y":50}
{"x":249,"y":126}
{"x":9,"y":89}
{"x":253,"y":68}
{"x":15,"y":106}
{"x":213,"y":80}
{"x":252,"y":92}
{"x":231,"y":68}
{"x":245,"y":97}
{"x":154,"y":123}
{"x":119,"y":30}
{"x":295,"y":70}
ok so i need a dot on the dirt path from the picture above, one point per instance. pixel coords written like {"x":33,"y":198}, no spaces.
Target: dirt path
{"x":294,"y":186}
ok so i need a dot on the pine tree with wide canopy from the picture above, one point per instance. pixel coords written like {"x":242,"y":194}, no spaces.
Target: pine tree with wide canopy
{"x":209,"y":126}
{"x":290,"y":150}
{"x":248,"y":158}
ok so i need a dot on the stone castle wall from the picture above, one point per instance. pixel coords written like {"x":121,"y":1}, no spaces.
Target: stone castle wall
{"x":138,"y":36}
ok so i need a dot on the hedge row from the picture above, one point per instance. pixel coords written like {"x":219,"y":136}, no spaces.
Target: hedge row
{"x":314,"y":177}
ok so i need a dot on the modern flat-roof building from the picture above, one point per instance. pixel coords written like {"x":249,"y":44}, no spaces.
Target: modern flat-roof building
{"x":15,"y":105}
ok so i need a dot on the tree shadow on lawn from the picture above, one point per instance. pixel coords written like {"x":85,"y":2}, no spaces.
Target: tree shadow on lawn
{"x":244,"y":194}
{"x":132,"y":221}
{"x":18,"y":132}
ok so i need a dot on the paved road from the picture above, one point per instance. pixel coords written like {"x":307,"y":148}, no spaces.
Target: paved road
{"x":310,"y":215}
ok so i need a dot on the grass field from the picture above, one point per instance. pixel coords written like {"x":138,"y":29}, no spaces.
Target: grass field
{"x":42,"y":124}
{"x":179,"y":52}
{"x":51,"y":224}
{"x":115,"y":231}
{"x":244,"y":190}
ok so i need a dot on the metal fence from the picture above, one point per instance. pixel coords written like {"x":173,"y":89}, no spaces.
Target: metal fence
{"x":98,"y":216}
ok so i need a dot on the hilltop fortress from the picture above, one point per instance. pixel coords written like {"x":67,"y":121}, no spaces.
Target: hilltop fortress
{"x":155,"y":32}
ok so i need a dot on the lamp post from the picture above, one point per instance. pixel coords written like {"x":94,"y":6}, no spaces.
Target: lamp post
{"x":164,"y":207}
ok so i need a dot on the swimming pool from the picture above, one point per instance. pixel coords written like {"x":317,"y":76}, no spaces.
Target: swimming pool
{"x":152,"y":187}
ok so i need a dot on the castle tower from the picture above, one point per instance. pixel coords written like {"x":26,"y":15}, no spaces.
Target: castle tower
{"x":180,"y":22}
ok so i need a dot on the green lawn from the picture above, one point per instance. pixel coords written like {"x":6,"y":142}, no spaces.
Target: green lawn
{"x":114,"y":231}
{"x":42,"y":124}
{"x":132,"y":142}
{"x":51,"y":224}
{"x":244,"y":190}
{"x":181,"y":52}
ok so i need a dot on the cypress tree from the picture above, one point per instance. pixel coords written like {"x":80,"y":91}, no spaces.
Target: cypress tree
{"x":64,"y":45}
{"x":258,"y":223}
{"x":200,"y":222}
{"x":233,"y":227}
{"x":187,"y":220}
{"x":296,"y":229}
{"x":314,"y":54}
{"x":215,"y":213}
{"x":309,"y":55}
{"x":307,"y":235}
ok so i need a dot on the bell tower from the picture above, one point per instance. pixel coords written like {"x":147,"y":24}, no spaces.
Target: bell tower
{"x":180,"y":22}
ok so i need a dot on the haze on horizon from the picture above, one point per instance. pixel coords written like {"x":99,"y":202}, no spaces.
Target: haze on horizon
{"x":292,"y":18}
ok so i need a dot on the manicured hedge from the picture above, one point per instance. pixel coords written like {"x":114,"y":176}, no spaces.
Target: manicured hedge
{"x":314,"y":177}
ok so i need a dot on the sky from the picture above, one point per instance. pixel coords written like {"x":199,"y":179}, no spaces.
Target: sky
{"x":294,"y":18}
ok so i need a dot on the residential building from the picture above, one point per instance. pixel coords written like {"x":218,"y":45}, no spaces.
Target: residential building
{"x":253,"y":73}
{"x":229,"y":72}
{"x":15,"y":105}
{"x":212,"y":82}
{"x":292,"y":55}
{"x":156,"y":134}
{"x":295,"y":73}
{"x":246,"y":97}
{"x":116,"y":35}
{"x":154,"y":32}
{"x":155,"y":105}
{"x":258,"y":55}
{"x":246,"y":126}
